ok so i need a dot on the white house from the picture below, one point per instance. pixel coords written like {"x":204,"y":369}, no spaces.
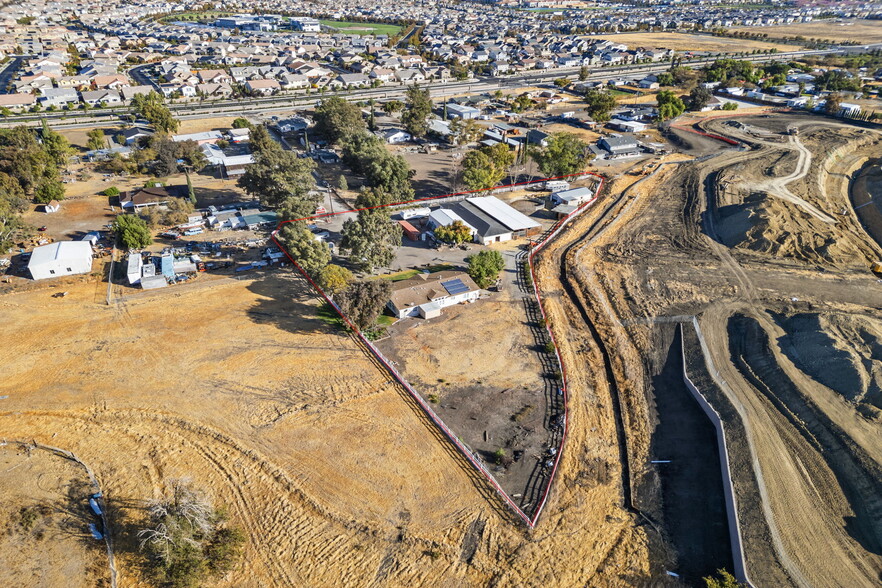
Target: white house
{"x":62,"y":258}
{"x":426,"y":294}
{"x":573,"y":197}
{"x":395,"y":136}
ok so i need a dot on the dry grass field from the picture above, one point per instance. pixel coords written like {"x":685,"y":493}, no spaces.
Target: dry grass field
{"x":333,"y":474}
{"x":862,"y":31}
{"x":687,"y":42}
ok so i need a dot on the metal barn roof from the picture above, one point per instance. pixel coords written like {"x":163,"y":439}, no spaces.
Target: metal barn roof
{"x":502,"y":212}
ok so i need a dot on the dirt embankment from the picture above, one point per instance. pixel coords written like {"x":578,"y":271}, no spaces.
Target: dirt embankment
{"x":841,"y":351}
{"x":798,"y":250}
{"x":775,"y":202}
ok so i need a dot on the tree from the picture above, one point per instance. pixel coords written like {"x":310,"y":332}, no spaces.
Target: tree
{"x":96,"y":139}
{"x":419,"y":107}
{"x":522,"y":103}
{"x":111,"y":192}
{"x":372,"y":198}
{"x":190,"y":193}
{"x":599,"y":104}
{"x":583,"y":73}
{"x":371,"y":239}
{"x":363,"y":301}
{"x":563,"y":154}
{"x":187,"y":540}
{"x":48,"y":190}
{"x":132,"y":231}
{"x":360,"y":149}
{"x":456,"y":233}
{"x":833,"y":104}
{"x":151,"y":107}
{"x":562,"y":82}
{"x":665,"y":79}
{"x":342,"y":184}
{"x":55,"y":145}
{"x":277,"y":177}
{"x":725,"y":580}
{"x":393,"y":106}
{"x":335,"y":118}
{"x":484,"y":267}
{"x":12,"y":205}
{"x":465,"y":131}
{"x":669,"y":105}
{"x":242,"y":123}
{"x":391,"y":174}
{"x":485,"y":167}
{"x":730,"y":106}
{"x":699,"y":97}
{"x":310,"y":253}
{"x":372,"y":121}
{"x":260,"y":140}
{"x":334,"y":279}
{"x":478,"y":172}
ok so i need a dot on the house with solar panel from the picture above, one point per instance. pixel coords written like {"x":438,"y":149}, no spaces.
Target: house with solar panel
{"x":426,"y":294}
{"x":488,"y":218}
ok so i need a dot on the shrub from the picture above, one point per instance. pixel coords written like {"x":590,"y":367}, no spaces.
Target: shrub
{"x":111,"y":192}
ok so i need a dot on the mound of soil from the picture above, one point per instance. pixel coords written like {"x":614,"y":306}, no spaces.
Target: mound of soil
{"x":841,"y":351}
{"x":774,"y":227}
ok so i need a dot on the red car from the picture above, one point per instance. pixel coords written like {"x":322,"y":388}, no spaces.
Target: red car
{"x":43,"y":228}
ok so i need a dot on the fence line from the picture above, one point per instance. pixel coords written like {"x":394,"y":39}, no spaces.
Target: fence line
{"x":534,"y":249}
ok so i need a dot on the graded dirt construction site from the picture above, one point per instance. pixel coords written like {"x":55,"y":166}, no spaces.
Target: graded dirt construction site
{"x":757,"y":252}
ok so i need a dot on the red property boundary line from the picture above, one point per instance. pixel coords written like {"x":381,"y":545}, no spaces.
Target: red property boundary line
{"x":708,"y":135}
{"x":534,"y":249}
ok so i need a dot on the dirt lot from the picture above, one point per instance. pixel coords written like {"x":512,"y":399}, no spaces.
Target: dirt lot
{"x":687,"y":42}
{"x":491,"y":405}
{"x":44,"y":517}
{"x":862,"y":31}
{"x":783,"y":291}
{"x":238,"y":384}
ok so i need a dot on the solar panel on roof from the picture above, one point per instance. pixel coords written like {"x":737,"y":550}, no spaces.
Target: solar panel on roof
{"x":455,"y":287}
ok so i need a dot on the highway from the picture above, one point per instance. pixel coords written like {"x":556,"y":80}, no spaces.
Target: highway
{"x":192,"y":110}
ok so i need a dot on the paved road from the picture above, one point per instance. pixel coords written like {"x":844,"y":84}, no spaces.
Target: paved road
{"x":438,"y":89}
{"x":10,"y":70}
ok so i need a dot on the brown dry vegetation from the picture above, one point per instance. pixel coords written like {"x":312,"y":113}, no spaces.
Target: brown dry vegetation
{"x":333,"y":474}
{"x":687,"y":42}
{"x":862,"y":31}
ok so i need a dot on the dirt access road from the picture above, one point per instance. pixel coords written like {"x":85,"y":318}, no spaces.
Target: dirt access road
{"x":777,"y":297}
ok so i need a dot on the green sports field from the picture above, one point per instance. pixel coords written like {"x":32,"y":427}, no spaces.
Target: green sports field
{"x":361,"y":28}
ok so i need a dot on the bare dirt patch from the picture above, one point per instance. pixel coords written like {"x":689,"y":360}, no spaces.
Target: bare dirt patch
{"x":492,"y":404}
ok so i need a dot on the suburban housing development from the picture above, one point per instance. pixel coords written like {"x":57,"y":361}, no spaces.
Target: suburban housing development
{"x":472,"y":293}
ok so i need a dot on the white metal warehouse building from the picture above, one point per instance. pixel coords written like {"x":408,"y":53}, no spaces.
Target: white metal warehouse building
{"x":62,"y":258}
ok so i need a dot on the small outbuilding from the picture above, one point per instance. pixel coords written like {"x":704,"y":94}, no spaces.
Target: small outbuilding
{"x":133,"y":272}
{"x":62,"y":258}
{"x":410,"y":231}
{"x":52,"y":206}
